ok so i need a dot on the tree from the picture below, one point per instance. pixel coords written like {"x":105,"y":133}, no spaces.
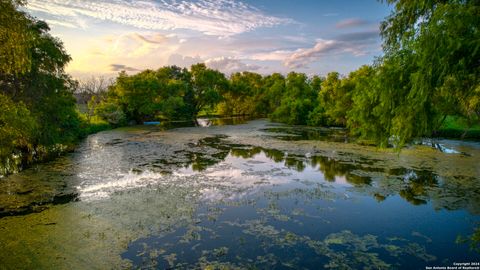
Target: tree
{"x":90,"y":92}
{"x":111,"y":112}
{"x":297,"y":101}
{"x":138,"y":94}
{"x":15,"y":38}
{"x":367,"y":117}
{"x":207,"y":85}
{"x":435,"y":47}
{"x":272,"y":93}
{"x":16,"y":128}
{"x":32,"y":73}
{"x":177,"y":94}
{"x":242,"y":95}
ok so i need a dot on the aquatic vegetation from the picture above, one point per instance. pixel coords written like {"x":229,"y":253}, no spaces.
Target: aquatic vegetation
{"x":233,"y":197}
{"x":472,"y":240}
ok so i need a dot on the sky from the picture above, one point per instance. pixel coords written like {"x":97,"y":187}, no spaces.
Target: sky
{"x":264,"y":36}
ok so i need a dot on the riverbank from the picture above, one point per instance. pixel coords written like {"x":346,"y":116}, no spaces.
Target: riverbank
{"x":21,"y":159}
{"x":453,"y":128}
{"x":458,"y":128}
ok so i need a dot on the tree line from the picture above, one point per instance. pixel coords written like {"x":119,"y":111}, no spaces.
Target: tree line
{"x":429,"y":71}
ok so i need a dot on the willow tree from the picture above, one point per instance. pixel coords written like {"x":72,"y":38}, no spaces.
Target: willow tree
{"x":436,"y":47}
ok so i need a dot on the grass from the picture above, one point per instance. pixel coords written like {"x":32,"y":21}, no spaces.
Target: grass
{"x":93,"y":125}
{"x":458,"y":127}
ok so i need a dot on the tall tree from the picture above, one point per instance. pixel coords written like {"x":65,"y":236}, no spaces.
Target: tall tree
{"x":436,"y":47}
{"x":297,"y":101}
{"x":207,"y":87}
{"x":242,"y":95}
{"x":35,"y":92}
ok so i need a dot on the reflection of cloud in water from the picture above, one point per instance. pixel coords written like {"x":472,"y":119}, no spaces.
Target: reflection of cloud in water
{"x":203,"y":122}
{"x":342,"y":181}
{"x":234,"y":178}
{"x":126,"y":181}
{"x":231,"y":179}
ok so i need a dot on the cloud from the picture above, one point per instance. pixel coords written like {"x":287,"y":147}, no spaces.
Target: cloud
{"x":183,"y":61}
{"x":352,"y":22}
{"x":135,"y":44}
{"x":230,"y":65}
{"x":357,"y":44}
{"x":152,"y":39}
{"x":120,"y":67}
{"x":278,"y":55}
{"x":211,"y":17}
{"x":226,"y":65}
{"x":301,"y":57}
{"x":60,"y":23}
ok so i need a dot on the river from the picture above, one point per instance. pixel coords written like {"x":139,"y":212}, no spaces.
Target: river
{"x":257,"y":195}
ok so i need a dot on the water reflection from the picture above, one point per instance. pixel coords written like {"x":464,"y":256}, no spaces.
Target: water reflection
{"x":415,"y":184}
{"x":289,"y":133}
{"x":207,"y":198}
{"x":146,"y":168}
{"x":205,"y":122}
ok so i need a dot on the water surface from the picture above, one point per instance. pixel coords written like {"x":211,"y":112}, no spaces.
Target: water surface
{"x":255,"y":195}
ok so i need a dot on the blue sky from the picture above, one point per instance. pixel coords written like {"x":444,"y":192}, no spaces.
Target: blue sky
{"x":264,"y":36}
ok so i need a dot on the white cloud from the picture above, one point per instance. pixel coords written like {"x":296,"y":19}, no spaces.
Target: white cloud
{"x":279,"y":55}
{"x":61,"y":23}
{"x":356,"y":44}
{"x":302,"y":57}
{"x":140,"y":50}
{"x":135,"y":44}
{"x":230,"y":65}
{"x":183,"y":61}
{"x":211,"y":17}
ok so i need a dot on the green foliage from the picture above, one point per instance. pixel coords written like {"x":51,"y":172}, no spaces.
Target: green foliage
{"x":334,"y":100}
{"x":430,"y":70}
{"x":459,"y":127}
{"x":167,"y":93}
{"x":366,"y":115}
{"x":207,"y":87}
{"x":297,"y":100}
{"x":111,"y":112}
{"x":90,"y":125}
{"x":242,"y":95}
{"x":16,"y":127}
{"x":432,"y":48}
{"x":15,"y":38}
{"x":271,"y":97}
{"x":38,"y":107}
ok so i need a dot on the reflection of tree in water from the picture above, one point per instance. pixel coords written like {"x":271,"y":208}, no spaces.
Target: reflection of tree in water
{"x":245,"y":152}
{"x":332,"y":168}
{"x":294,"y":163}
{"x":200,"y":161}
{"x":417,"y":184}
{"x":274,"y":154}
